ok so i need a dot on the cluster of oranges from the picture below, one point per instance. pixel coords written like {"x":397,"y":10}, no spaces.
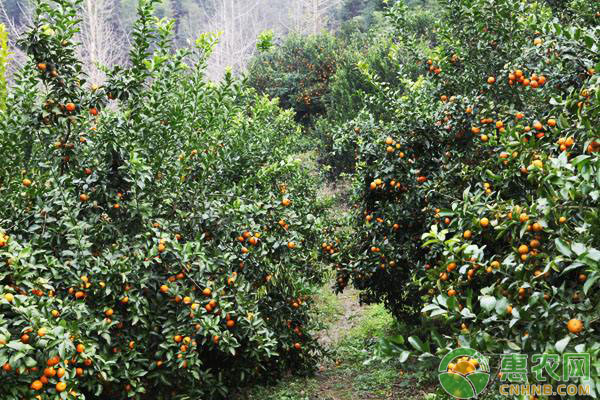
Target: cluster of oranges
{"x":248,"y":237}
{"x":534,"y":81}
{"x":433,"y":68}
{"x":392,"y":146}
{"x":56,"y":372}
{"x":330,"y":248}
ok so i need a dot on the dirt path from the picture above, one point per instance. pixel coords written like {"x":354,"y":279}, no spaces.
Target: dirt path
{"x":349,"y":337}
{"x":349,"y":314}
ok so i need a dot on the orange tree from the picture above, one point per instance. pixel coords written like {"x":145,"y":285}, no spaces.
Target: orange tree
{"x":297,"y":71}
{"x":477,"y":195}
{"x":157,"y":236}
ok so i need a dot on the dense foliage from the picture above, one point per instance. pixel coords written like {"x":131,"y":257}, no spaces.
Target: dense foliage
{"x":477,"y":190}
{"x":158,"y":238}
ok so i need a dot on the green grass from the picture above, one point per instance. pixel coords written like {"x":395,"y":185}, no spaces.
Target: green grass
{"x":329,"y":308}
{"x":347,"y":377}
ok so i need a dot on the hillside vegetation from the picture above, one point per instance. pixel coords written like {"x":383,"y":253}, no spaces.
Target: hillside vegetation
{"x":166,"y":236}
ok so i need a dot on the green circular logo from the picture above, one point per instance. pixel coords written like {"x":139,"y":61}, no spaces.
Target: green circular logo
{"x":464,"y":373}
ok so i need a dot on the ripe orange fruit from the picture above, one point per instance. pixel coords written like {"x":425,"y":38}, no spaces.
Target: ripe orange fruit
{"x":451,"y":267}
{"x":79,"y":371}
{"x":575,"y":326}
{"x":491,"y":80}
{"x":84,"y":197}
{"x":61,"y":386}
{"x":164,"y":289}
{"x":53,"y":361}
{"x":60,"y":373}
{"x":291,"y":245}
{"x":286,"y":202}
{"x":297,"y":346}
{"x":94,"y":111}
{"x":537,"y":41}
{"x":484,"y":222}
{"x":509,"y":309}
{"x":37,"y":385}
{"x":71,"y":107}
{"x":451,"y":292}
{"x":537,"y":125}
{"x":80,"y":348}
{"x":523,"y":217}
{"x":519,"y":115}
{"x":523,"y":249}
{"x":552,"y":122}
{"x":42,"y":332}
{"x":467,"y":234}
{"x":230,"y":324}
{"x":537,"y":227}
{"x":26,"y":182}
{"x":49,"y":372}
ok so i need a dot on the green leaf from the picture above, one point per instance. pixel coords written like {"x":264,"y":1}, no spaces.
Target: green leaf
{"x":562,"y":344}
{"x":563,"y":247}
{"x":487,"y":302}
{"x":416,"y":343}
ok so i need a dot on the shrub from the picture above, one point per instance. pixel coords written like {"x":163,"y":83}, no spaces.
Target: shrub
{"x":297,"y":71}
{"x":477,"y":196}
{"x":158,"y":238}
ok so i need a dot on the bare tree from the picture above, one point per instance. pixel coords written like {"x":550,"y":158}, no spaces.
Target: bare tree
{"x":15,"y":27}
{"x":102,"y":41}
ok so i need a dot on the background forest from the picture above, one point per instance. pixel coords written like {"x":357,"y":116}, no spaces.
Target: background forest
{"x":239,"y":21}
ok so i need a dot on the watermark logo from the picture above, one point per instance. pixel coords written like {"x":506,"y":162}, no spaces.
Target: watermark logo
{"x":464,"y":373}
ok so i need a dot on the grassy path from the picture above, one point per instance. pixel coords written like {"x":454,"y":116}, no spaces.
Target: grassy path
{"x":350,"y":334}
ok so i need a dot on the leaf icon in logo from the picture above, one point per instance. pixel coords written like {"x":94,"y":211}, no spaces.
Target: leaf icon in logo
{"x":479,"y":381}
{"x":464,"y":373}
{"x":457,"y":385}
